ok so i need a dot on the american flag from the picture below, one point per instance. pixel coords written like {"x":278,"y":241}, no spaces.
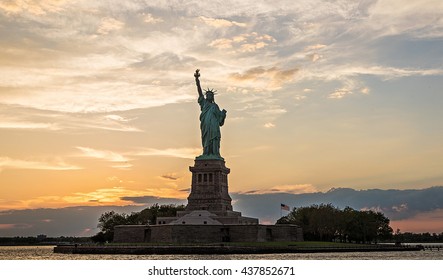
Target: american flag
{"x":284,"y":207}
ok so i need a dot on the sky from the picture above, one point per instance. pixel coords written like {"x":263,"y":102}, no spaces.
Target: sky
{"x":98,"y":106}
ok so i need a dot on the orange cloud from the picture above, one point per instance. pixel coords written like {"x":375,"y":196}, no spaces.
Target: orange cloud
{"x":6,"y":162}
{"x":10,"y":226}
{"x":188,"y":153}
{"x":243,"y":43}
{"x":99,"y":197}
{"x":274,"y":76}
{"x":293,"y":189}
{"x":106,"y":155}
{"x":7,"y":226}
{"x":36,"y":7}
{"x":216,"y":22}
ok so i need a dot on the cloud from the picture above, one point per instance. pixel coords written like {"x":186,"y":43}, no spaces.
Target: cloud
{"x":23,"y":118}
{"x":222,"y":43}
{"x":416,"y":18}
{"x":67,"y":221}
{"x":422,"y":222}
{"x":56,"y":164}
{"x":7,"y":226}
{"x":267,"y":110}
{"x":120,"y":196}
{"x":400,"y":208}
{"x":269,"y":125}
{"x":146,"y":200}
{"x":35,"y":7}
{"x":170,"y":176}
{"x":349,"y":87}
{"x":273,"y":77}
{"x":314,"y":57}
{"x":28,"y":125}
{"x":79,"y":220}
{"x":103,"y":196}
{"x":395,"y":204}
{"x":312,"y":52}
{"x":15,"y":226}
{"x":108,"y":196}
{"x":121,"y":160}
{"x":109,"y":24}
{"x":121,"y":69}
{"x":188,"y":153}
{"x":101,"y":154}
{"x":110,"y":95}
{"x":116,"y":118}
{"x":314,"y":47}
{"x":292,"y":189}
{"x":365,"y":90}
{"x":349,"y":76}
{"x":386,"y":72}
{"x":123,"y":166}
{"x":149,"y":18}
{"x":340,"y":93}
{"x":218,"y":23}
{"x":243,"y":43}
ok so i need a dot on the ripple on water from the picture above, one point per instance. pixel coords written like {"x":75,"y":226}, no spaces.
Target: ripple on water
{"x":45,"y":253}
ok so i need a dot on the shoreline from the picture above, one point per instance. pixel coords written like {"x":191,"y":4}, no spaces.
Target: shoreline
{"x":220,"y":249}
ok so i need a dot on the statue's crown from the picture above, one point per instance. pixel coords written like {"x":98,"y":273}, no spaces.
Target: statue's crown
{"x":210,"y":91}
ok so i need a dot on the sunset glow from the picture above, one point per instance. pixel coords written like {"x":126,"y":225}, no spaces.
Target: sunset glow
{"x":98,"y":101}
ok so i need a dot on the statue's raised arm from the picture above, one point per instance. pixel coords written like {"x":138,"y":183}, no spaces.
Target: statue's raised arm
{"x":197,"y":81}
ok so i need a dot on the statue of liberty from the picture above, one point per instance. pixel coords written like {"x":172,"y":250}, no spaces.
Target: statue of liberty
{"x":211,"y":118}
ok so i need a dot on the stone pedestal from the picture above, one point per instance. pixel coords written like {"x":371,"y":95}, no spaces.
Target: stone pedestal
{"x":209,"y":202}
{"x":209,"y":187}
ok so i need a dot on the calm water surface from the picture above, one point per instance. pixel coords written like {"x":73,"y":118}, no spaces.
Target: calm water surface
{"x":45,"y":253}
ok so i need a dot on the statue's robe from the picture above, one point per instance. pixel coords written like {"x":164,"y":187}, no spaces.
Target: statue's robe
{"x":211,"y":118}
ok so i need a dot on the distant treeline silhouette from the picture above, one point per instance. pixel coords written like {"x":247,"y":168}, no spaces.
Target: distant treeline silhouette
{"x":325,"y":222}
{"x":410,"y":237}
{"x":39,"y":240}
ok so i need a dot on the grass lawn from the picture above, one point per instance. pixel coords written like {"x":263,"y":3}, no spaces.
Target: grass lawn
{"x":302,"y":244}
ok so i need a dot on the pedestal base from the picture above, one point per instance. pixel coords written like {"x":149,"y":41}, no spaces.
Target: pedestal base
{"x":209,"y":188}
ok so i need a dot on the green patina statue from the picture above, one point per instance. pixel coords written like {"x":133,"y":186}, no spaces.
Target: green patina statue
{"x":211,"y":118}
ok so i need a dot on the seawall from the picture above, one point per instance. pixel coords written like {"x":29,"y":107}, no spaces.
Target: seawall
{"x":220,"y":249}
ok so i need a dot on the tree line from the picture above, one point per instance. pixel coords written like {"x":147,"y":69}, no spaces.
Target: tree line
{"x":147,"y":216}
{"x":325,"y":222}
{"x":410,"y":237}
{"x":33,"y":240}
{"x":322,"y":222}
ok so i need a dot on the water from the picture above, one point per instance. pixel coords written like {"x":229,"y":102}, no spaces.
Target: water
{"x":45,"y":253}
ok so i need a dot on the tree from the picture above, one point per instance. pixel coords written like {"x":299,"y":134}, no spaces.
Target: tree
{"x":107,"y":222}
{"x":325,"y":222}
{"x":148,"y":216}
{"x":319,"y":222}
